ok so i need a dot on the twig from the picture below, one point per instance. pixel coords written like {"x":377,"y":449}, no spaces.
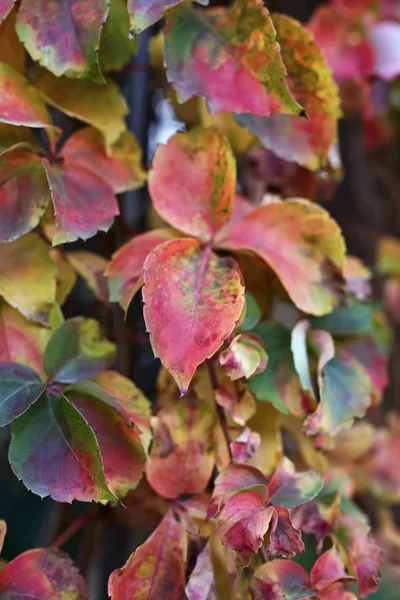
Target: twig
{"x":262,"y":553}
{"x":220,"y":410}
{"x":72,"y":530}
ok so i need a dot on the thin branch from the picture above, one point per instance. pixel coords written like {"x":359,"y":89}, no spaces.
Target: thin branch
{"x":220,"y":410}
{"x":72,"y":530}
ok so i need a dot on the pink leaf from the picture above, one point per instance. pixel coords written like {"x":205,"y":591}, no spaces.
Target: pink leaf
{"x":285,"y":540}
{"x":280,"y":580}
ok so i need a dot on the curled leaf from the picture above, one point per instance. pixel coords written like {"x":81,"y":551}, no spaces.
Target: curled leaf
{"x":244,"y":357}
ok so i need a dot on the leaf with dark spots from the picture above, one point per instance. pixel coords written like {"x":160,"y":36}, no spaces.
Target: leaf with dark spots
{"x":42,"y":574}
{"x":55,"y":453}
{"x":183,"y":454}
{"x":64,"y":36}
{"x":24,"y":191}
{"x":19,"y":388}
{"x":193,"y":299}
{"x":192,"y":182}
{"x":156,"y":570}
{"x":76,"y":351}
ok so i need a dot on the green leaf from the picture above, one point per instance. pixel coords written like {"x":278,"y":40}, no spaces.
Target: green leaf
{"x":19,"y":388}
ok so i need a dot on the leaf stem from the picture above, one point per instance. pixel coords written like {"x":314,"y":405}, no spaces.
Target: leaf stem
{"x":219,"y":409}
{"x":71,"y":530}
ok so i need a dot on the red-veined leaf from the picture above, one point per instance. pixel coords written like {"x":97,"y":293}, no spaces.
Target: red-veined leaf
{"x":120,"y":167}
{"x":20,"y":103}
{"x":192,"y":299}
{"x":290,"y":488}
{"x":24,"y":191}
{"x":19,"y":388}
{"x":46,"y":573}
{"x":91,"y":267}
{"x":147,"y":12}
{"x":157,"y":569}
{"x":117,"y":435}
{"x":126,"y":267}
{"x":302,"y":244}
{"x":230,"y":57}
{"x":28,"y":277}
{"x":55,"y":453}
{"x":76,"y":351}
{"x":89,"y":102}
{"x":64,"y":37}
{"x":192,"y":182}
{"x":311,"y":83}
{"x":83,"y":202}
{"x":280,"y":580}
{"x":182,"y":457}
{"x":5,"y":7}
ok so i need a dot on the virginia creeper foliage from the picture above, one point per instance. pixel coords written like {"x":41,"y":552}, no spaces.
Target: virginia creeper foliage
{"x":254,"y":464}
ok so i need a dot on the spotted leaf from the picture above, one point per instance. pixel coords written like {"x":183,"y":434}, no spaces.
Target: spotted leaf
{"x":182,"y":457}
{"x":46,"y":573}
{"x":229,"y":56}
{"x":192,"y":182}
{"x":28,"y":277}
{"x":55,"y":453}
{"x":193,"y":299}
{"x":311,"y":83}
{"x":76,"y":351}
{"x":302,"y":244}
{"x":64,"y":37}
{"x":157,"y":568}
{"x":19,"y":388}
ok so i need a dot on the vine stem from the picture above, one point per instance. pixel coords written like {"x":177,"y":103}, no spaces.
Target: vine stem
{"x":220,"y":411}
{"x":71,"y":530}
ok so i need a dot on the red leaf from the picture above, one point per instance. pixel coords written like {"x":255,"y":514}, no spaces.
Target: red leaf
{"x":290,"y":488}
{"x":24,"y":191}
{"x":192,"y":182}
{"x":64,"y":37}
{"x":20,"y":103}
{"x":120,"y":167}
{"x":118,"y":437}
{"x":48,"y":574}
{"x":302,"y":244}
{"x":182,"y":457}
{"x":157,"y":569}
{"x":83,"y":202}
{"x":5,"y":7}
{"x":243,"y":522}
{"x":280,"y":580}
{"x":328,"y":569}
{"x":126,"y":267}
{"x":193,"y":299}
{"x":285,"y":540}
{"x":245,"y":445}
{"x":147,"y":12}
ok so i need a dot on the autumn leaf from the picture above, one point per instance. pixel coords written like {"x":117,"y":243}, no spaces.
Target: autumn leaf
{"x":120,"y":166}
{"x":147,"y":12}
{"x":28,"y":277}
{"x":87,"y":101}
{"x":24,"y":191}
{"x":20,"y":103}
{"x":76,"y":351}
{"x":44,"y":573}
{"x":12,"y":52}
{"x":126,"y":267}
{"x":311,"y":82}
{"x":157,"y":568}
{"x":302,"y":244}
{"x":182,"y":457}
{"x":290,"y":488}
{"x":245,"y":357}
{"x":115,"y":429}
{"x":91,"y":267}
{"x":83,"y":202}
{"x":116,"y":45}
{"x":66,"y":276}
{"x":284,"y":539}
{"x":5,"y":8}
{"x":64,"y":37}
{"x":228,"y":56}
{"x":55,"y":452}
{"x":22,"y":341}
{"x":19,"y":388}
{"x":193,"y":299}
{"x":192,"y":182}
